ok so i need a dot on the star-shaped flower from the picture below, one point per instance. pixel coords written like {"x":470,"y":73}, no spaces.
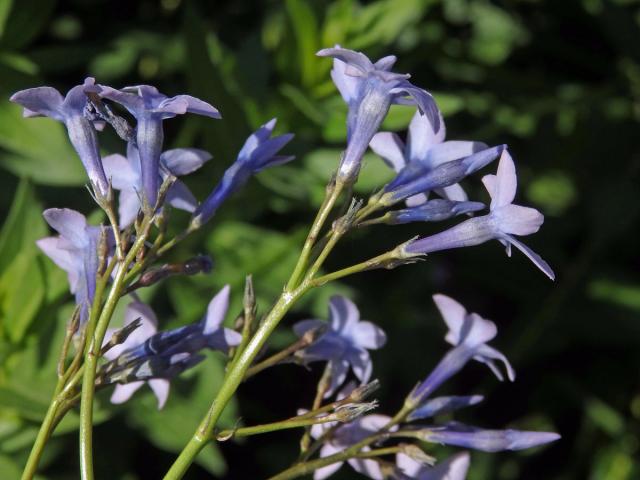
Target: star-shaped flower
{"x":345,"y":344}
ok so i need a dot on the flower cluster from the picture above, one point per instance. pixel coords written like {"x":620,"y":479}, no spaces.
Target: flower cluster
{"x":121,"y":258}
{"x":469,"y":334}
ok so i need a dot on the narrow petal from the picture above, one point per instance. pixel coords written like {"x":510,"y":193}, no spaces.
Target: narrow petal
{"x":68,"y":223}
{"x":216,"y":310}
{"x":506,"y":182}
{"x":224,"y":338}
{"x":390,"y":148}
{"x":339,"y":370}
{"x":386,"y":63}
{"x":422,"y":136}
{"x":325,"y":472}
{"x":367,"y":335}
{"x":361,"y":364}
{"x":183,"y":161}
{"x":45,"y":101}
{"x":453,"y":468}
{"x":118,"y":169}
{"x":160,"y":387}
{"x":179,"y":196}
{"x":452,"y":312}
{"x":196,"y":106}
{"x":355,"y":59}
{"x":534,"y":257}
{"x":518,"y":220}
{"x":132,"y":102}
{"x":451,"y":150}
{"x":122,"y":393}
{"x":367,"y":467}
{"x":128,"y":206}
{"x":62,"y":257}
{"x":343,"y":313}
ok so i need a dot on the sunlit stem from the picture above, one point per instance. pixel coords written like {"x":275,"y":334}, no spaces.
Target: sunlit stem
{"x":295,"y":422}
{"x":332,"y":194}
{"x":94,"y":344}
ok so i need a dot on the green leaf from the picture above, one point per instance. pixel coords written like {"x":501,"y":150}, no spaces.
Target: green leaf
{"x":5,"y":9}
{"x":305,"y":30}
{"x":26,"y":22}
{"x":38,"y":148}
{"x":22,"y":292}
{"x":23,"y":226}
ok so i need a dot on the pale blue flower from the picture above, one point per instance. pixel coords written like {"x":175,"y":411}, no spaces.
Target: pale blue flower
{"x":75,"y":250}
{"x":345,"y":343}
{"x":70,"y":110}
{"x":369,"y":90}
{"x":425,"y":150}
{"x":126,"y":175}
{"x":469,"y":334}
{"x":503,"y":222}
{"x":259,"y":151}
{"x":148,"y":355}
{"x":150,"y":108}
{"x":453,"y":468}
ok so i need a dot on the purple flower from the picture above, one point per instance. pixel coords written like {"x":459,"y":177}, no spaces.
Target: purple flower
{"x":369,"y":90}
{"x":126,"y":175}
{"x":425,"y":150}
{"x":75,"y":251}
{"x":258,"y":152}
{"x":70,"y":110}
{"x":345,"y":344}
{"x":148,"y":355}
{"x":345,"y":436}
{"x":461,"y":435}
{"x":453,"y":468}
{"x":150,"y":108}
{"x":469,"y":333}
{"x":147,"y":328}
{"x":503,"y":222}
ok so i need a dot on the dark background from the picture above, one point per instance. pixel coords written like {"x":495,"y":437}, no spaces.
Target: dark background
{"x":559,"y":81}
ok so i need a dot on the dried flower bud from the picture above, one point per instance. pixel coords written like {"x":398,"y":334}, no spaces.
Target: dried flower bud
{"x":351,"y":411}
{"x":364,"y":391}
{"x":417,"y":454}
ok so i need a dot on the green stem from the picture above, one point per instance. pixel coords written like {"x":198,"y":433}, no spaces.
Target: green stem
{"x":277,"y":357}
{"x":333,"y":192}
{"x":374,"y":262}
{"x":295,"y":422}
{"x":94,"y":344}
{"x":234,"y":377}
{"x":46,"y":429}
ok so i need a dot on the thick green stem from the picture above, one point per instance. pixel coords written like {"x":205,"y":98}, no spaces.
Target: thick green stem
{"x":46,"y":429}
{"x":94,"y":344}
{"x":333,"y":192}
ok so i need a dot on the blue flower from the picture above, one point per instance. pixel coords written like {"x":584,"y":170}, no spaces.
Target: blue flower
{"x":75,"y":251}
{"x":434,"y":210}
{"x":149,"y":355}
{"x":150,"y":108}
{"x":345,"y":344}
{"x":369,"y":90}
{"x":70,"y":110}
{"x":126,"y":175}
{"x":469,"y":334}
{"x":467,"y":436}
{"x":425,"y":150}
{"x":453,"y":468}
{"x":258,"y":152}
{"x":503,"y":222}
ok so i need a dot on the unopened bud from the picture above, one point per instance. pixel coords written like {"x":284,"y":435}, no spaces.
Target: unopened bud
{"x":351,"y":411}
{"x":120,"y":336}
{"x":417,"y":454}
{"x":313,"y":334}
{"x":364,"y":391}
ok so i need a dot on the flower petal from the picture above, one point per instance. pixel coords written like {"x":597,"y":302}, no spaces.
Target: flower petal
{"x":452,"y":312}
{"x":368,"y":335}
{"x":45,"y":101}
{"x":128,"y":206}
{"x":118,"y":169}
{"x":122,"y":393}
{"x":216,"y":310}
{"x":179,"y":196}
{"x":325,"y":472}
{"x":339,"y":370}
{"x":390,"y":148}
{"x":367,"y":467}
{"x":517,"y":220}
{"x":533,"y":256}
{"x":422,"y":136}
{"x":343,"y":313}
{"x":69,"y":224}
{"x":182,"y":161}
{"x":506,"y":182}
{"x":303,"y":326}
{"x":160,"y":387}
{"x":354,"y":59}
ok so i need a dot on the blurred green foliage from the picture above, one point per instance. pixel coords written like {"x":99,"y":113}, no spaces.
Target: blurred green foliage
{"x":558,"y":81}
